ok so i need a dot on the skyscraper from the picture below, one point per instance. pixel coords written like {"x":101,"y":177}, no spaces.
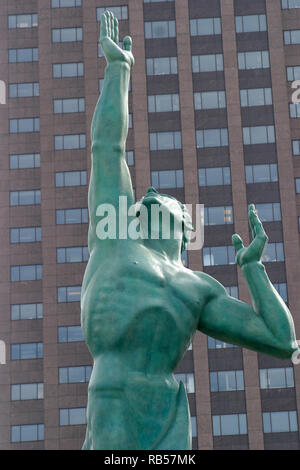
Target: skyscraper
{"x":214,"y":120}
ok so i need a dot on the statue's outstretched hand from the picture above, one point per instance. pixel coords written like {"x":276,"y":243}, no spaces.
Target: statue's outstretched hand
{"x":254,"y":251}
{"x":109,"y":40}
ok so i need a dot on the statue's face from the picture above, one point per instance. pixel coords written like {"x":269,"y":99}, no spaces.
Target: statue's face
{"x":163,"y":217}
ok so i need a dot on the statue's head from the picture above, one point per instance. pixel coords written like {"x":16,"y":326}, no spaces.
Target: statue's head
{"x":163,"y":210}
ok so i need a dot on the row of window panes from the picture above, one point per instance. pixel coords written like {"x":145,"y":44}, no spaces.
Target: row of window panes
{"x":226,"y":381}
{"x":67,"y":34}
{"x":26,"y":311}
{"x":160,"y":29}
{"x":261,"y":173}
{"x":24,"y":125}
{"x":71,"y":216}
{"x":65,"y":3}
{"x":120,"y":12}
{"x":74,"y":374}
{"x":70,"y":141}
{"x":163,"y":103}
{"x":224,"y":255}
{"x":167,"y":179}
{"x":212,"y":138}
{"x":296,"y":147}
{"x":69,"y":105}
{"x":292,"y":36}
{"x":27,"y":54}
{"x":68,"y":69}
{"x":218,"y":215}
{"x":68,"y":294}
{"x":205,"y":26}
{"x":27,"y":432}
{"x":21,"y":90}
{"x":269,"y":212}
{"x":31,"y":272}
{"x":23,"y":21}
{"x":71,"y":178}
{"x":258,"y":135}
{"x":165,"y":140}
{"x":256,"y":97}
{"x":293,"y":73}
{"x":74,"y":254}
{"x":220,"y":176}
{"x":162,"y":66}
{"x":25,"y":235}
{"x":69,"y":334}
{"x":297,"y":183}
{"x":210,"y":100}
{"x":26,"y":351}
{"x":31,"y":391}
{"x":250,"y":23}
{"x":276,"y":377}
{"x":280,"y":421}
{"x":229,"y":425}
{"x":294,"y":110}
{"x":25,"y":198}
{"x":288,"y":4}
{"x":25,"y":160}
{"x":246,"y":61}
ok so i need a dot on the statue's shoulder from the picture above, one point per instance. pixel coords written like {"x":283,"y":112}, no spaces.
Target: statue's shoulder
{"x":210,"y":285}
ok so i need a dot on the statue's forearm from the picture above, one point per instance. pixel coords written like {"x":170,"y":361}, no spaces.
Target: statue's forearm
{"x":110,"y":121}
{"x":269,"y":305}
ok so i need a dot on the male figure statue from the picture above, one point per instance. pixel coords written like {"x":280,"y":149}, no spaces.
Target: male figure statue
{"x":141,"y":306}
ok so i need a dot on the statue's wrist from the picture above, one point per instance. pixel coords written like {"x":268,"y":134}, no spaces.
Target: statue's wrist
{"x":253,"y":266}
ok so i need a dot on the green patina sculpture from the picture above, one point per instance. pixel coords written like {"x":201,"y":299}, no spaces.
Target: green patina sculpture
{"x":141,"y":306}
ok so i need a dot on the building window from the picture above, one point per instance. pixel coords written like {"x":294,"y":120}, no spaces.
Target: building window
{"x":69,"y":334}
{"x":297,"y":182}
{"x":296,"y":147}
{"x":25,"y":235}
{"x":160,"y":29}
{"x":25,"y":198}
{"x":273,"y":252}
{"x":69,"y":105}
{"x":32,"y":391}
{"x":22,"y":21}
{"x":269,"y":212}
{"x":74,"y":254}
{"x":210,"y":100}
{"x":250,"y":23}
{"x":155,"y":1}
{"x":229,"y":425}
{"x":276,"y":377}
{"x":207,"y":63}
{"x":226,"y":381}
{"x":72,"y":416}
{"x":21,"y":90}
{"x":17,"y":126}
{"x":213,"y":343}
{"x":27,"y":432}
{"x":25,"y":160}
{"x":205,"y":26}
{"x":256,"y":97}
{"x":294,"y":110}
{"x":282,"y":290}
{"x":167,"y":179}
{"x":162,"y":66}
{"x":26,"y":311}
{"x":214,"y":176}
{"x":187,"y":380}
{"x":253,"y":60}
{"x":66,"y":34}
{"x":121,"y":12}
{"x":71,"y":216}
{"x":259,"y":135}
{"x":218,"y":215}
{"x":218,"y":255}
{"x":20,"y":351}
{"x":76,"y":374}
{"x":293,"y":73}
{"x":261,"y":173}
{"x":292,"y":37}
{"x":288,"y":4}
{"x":165,"y":140}
{"x":68,"y":294}
{"x":129,"y":157}
{"x":212,"y":138}
{"x":163,"y":103}
{"x":71,"y":178}
{"x":29,"y":54}
{"x":65,"y":3}
{"x":194,"y":426}
{"x":30,"y":272}
{"x":232,"y":291}
{"x":69,"y":142}
{"x":73,"y":69}
{"x":280,"y":421}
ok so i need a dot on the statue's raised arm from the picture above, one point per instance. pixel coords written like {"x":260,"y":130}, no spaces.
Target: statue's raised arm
{"x":110,"y":177}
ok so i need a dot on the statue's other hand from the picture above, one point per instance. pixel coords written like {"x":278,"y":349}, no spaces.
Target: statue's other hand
{"x":254,"y":251}
{"x":109,"y":40}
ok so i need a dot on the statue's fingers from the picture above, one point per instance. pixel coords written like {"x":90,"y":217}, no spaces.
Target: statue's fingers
{"x":108,"y":23}
{"x":251,"y":219}
{"x":259,"y":229}
{"x":116,"y":30}
{"x":103,"y":26}
{"x":237,"y":242}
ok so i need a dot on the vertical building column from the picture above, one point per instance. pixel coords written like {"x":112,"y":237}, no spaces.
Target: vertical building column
{"x":252,"y":393}
{"x":4,"y":240}
{"x":48,"y":231}
{"x":191,"y":190}
{"x":285,"y":167}
{"x":139,"y":99}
